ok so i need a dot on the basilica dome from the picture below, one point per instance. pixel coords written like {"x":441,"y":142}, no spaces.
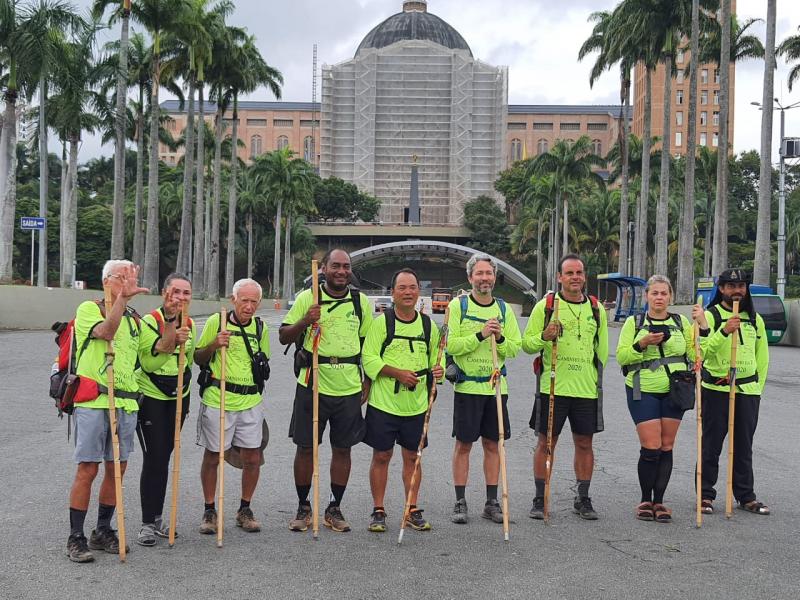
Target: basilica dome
{"x":414,"y":23}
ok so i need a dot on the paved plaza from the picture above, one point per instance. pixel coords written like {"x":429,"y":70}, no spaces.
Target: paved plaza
{"x":748,"y":556}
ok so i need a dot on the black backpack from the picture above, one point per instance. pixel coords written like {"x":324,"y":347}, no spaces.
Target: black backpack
{"x":427,"y":325}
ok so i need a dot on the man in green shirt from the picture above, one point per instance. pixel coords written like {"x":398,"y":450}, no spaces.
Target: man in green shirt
{"x":582,"y":331}
{"x":344,"y":318}
{"x":473,"y":320}
{"x":94,"y":328}
{"x":717,"y":324}
{"x":245,"y":337}
{"x":158,"y":382}
{"x":402,"y":369}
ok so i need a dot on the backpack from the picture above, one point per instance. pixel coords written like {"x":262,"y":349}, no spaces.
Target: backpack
{"x":65,"y":385}
{"x":259,"y":361}
{"x":167,"y":384}
{"x":301,"y":358}
{"x":391,"y":319}
{"x":453,"y":372}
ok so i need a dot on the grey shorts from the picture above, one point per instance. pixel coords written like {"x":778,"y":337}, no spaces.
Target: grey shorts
{"x":93,"y":434}
{"x":242,"y":427}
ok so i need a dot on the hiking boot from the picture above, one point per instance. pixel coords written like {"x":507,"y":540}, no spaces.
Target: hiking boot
{"x":161,"y":529}
{"x":492,"y":511}
{"x":78,"y":549}
{"x":537,"y":510}
{"x":106,"y":540}
{"x":147,"y":535}
{"x":334,"y":519}
{"x":378,"y":522}
{"x":209,"y":524}
{"x":247,"y":520}
{"x":460,"y":512}
{"x":416,"y":521}
{"x":302,"y":519}
{"x":583,"y":508}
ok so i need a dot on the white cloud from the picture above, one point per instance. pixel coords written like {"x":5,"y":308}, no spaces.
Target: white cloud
{"x":537,"y":39}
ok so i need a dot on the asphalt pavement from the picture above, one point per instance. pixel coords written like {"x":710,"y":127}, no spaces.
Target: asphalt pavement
{"x":748,"y":556}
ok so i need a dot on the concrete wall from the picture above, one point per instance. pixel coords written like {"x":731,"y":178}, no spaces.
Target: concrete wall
{"x":23,"y":307}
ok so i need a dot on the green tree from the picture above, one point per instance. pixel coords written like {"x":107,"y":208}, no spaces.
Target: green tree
{"x":339,"y":200}
{"x":488,"y":226}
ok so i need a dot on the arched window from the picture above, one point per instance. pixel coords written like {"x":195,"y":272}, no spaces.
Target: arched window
{"x":516,"y":150}
{"x":542,"y":147}
{"x":255,"y":146}
{"x":597,"y":147}
{"x":308,"y":149}
{"x":283,"y":142}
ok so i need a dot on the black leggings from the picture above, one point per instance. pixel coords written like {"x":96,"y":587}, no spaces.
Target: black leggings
{"x":157,"y":422}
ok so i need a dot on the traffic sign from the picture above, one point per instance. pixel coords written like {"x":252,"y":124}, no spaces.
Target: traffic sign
{"x":32,"y":223}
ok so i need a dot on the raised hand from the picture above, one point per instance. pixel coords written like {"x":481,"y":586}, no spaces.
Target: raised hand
{"x":129,"y":280}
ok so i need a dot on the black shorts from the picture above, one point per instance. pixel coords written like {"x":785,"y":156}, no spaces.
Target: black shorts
{"x":343,"y":412}
{"x":475,"y":415}
{"x":581,"y":412}
{"x":385,"y":429}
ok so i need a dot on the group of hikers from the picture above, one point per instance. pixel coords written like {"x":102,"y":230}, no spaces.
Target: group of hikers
{"x":344,"y":359}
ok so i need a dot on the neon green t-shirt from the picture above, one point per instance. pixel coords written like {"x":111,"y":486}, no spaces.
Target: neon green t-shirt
{"x":576,"y":372}
{"x":239,"y":365}
{"x":752,"y":352}
{"x":156,"y":363}
{"x":92,"y":361}
{"x":341,"y":337}
{"x":402,"y":354}
{"x":680,"y":343}
{"x":474,"y":357}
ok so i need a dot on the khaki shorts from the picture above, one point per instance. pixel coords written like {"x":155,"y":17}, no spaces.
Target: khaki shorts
{"x":242,"y":427}
{"x":92,"y":434}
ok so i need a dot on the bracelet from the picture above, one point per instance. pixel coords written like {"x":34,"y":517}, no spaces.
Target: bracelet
{"x":172,"y":320}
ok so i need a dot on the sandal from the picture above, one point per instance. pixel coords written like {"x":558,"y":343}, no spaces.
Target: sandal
{"x":644,"y":512}
{"x":756,"y":507}
{"x":662,"y":513}
{"x":706,"y":507}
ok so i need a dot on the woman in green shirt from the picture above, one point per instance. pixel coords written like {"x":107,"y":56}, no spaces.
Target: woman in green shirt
{"x":649,"y":348}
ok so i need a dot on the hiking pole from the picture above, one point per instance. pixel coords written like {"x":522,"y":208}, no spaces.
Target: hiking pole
{"x":698,"y":399}
{"x":551,"y":403}
{"x":498,"y":379}
{"x":176,"y":460}
{"x":421,"y":447}
{"x":223,"y":355}
{"x":731,"y":414}
{"x":315,"y":332}
{"x":112,"y":423}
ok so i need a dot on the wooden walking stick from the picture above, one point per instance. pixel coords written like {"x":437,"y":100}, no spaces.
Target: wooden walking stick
{"x":548,"y":464}
{"x":421,"y":447}
{"x":731,"y":414}
{"x":112,"y":422}
{"x":315,"y":333}
{"x":223,"y":355}
{"x":176,"y":460}
{"x":698,"y":400}
{"x":497,"y":379}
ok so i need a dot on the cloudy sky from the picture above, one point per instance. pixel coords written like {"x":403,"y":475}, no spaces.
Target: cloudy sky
{"x":537,"y":39}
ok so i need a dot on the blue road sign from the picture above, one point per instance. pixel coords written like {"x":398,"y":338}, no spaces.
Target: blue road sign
{"x":29,"y":223}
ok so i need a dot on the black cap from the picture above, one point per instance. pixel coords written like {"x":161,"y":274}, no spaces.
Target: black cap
{"x":734,"y":276}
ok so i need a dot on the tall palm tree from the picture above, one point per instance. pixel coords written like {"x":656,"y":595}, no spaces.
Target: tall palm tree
{"x":763,"y":228}
{"x":610,"y":51}
{"x":790,"y":50}
{"x":298,"y":201}
{"x":247,"y":72}
{"x":570,"y":162}
{"x":719,"y":257}
{"x":685,"y":279}
{"x":159,"y":17}
{"x":76,"y":75}
{"x":252,"y":201}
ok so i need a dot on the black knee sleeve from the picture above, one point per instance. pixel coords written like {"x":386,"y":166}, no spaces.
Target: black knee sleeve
{"x":649,"y":454}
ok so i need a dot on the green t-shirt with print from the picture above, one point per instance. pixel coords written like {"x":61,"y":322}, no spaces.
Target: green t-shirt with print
{"x":752,"y":352}
{"x":580,"y":341}
{"x":402,"y":353}
{"x":341,"y":337}
{"x":474,"y":357}
{"x":157,"y":363}
{"x":91,"y":363}
{"x":680,"y":344}
{"x":239,"y":365}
